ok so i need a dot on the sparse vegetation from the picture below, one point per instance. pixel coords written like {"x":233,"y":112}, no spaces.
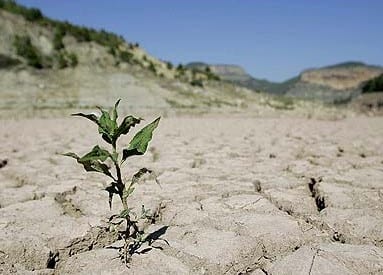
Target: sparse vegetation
{"x":65,"y":59}
{"x":169,"y":65}
{"x":7,"y":62}
{"x":281,"y":103}
{"x":112,"y":51}
{"x":373,"y":85}
{"x":196,"y":83}
{"x":152,"y":68}
{"x":210,"y":75}
{"x":82,"y":34}
{"x":31,"y":14}
{"x":25,"y":49}
{"x":126,"y":56}
{"x":73,"y":60}
{"x":180,"y":71}
{"x":97,"y":161}
{"x":58,"y":39}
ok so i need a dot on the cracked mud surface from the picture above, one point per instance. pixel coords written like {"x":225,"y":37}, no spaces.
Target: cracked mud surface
{"x":240,"y":196}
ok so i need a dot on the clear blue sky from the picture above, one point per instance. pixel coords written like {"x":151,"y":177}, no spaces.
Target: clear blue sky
{"x":274,"y":39}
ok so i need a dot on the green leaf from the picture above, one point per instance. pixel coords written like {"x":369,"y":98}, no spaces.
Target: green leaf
{"x":114,"y":114}
{"x":107,"y":126}
{"x":140,"y":141}
{"x":92,"y":161}
{"x":97,"y":153}
{"x":136,"y":177}
{"x":126,"y":124}
{"x":91,"y":117}
{"x":96,"y":166}
{"x":72,"y":155}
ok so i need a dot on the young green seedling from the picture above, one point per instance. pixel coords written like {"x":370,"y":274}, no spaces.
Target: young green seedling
{"x":96,"y":161}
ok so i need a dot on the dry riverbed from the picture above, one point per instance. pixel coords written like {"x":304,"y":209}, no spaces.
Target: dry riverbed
{"x":239,"y":195}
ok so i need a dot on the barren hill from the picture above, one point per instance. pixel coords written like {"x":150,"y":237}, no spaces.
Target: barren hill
{"x":52,"y":65}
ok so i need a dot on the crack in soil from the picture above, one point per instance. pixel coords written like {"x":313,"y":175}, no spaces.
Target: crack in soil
{"x":313,"y":260}
{"x":299,"y":218}
{"x":315,"y":193}
{"x":66,"y":204}
{"x":96,"y":237}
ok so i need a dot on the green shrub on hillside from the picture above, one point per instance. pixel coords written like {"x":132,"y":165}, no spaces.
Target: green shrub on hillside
{"x":82,"y":34}
{"x":112,"y":51}
{"x":31,"y":14}
{"x":196,"y":83}
{"x":169,"y":65}
{"x":61,"y":61}
{"x":207,"y":72}
{"x":373,"y":85}
{"x":210,"y":75}
{"x":6,"y":61}
{"x":180,"y":71}
{"x":152,"y":68}
{"x":25,"y":49}
{"x":126,"y":56}
{"x":65,"y":60}
{"x":58,"y":43}
{"x":73,"y":60}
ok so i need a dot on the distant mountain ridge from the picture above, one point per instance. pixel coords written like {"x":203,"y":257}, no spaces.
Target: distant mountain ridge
{"x":237,"y":75}
{"x":333,"y":84}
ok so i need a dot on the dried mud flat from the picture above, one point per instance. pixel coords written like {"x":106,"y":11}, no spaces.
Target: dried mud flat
{"x":238,"y":196}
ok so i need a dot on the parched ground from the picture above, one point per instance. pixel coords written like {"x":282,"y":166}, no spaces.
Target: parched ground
{"x":238,"y":196}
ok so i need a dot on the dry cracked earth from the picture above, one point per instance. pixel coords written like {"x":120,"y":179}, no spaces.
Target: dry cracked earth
{"x":237,"y":196}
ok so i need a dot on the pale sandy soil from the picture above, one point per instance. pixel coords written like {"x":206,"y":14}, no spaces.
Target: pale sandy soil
{"x":243,"y":195}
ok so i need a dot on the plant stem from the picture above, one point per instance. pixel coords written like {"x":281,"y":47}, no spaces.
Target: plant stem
{"x":121,"y":186}
{"x":119,"y":183}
